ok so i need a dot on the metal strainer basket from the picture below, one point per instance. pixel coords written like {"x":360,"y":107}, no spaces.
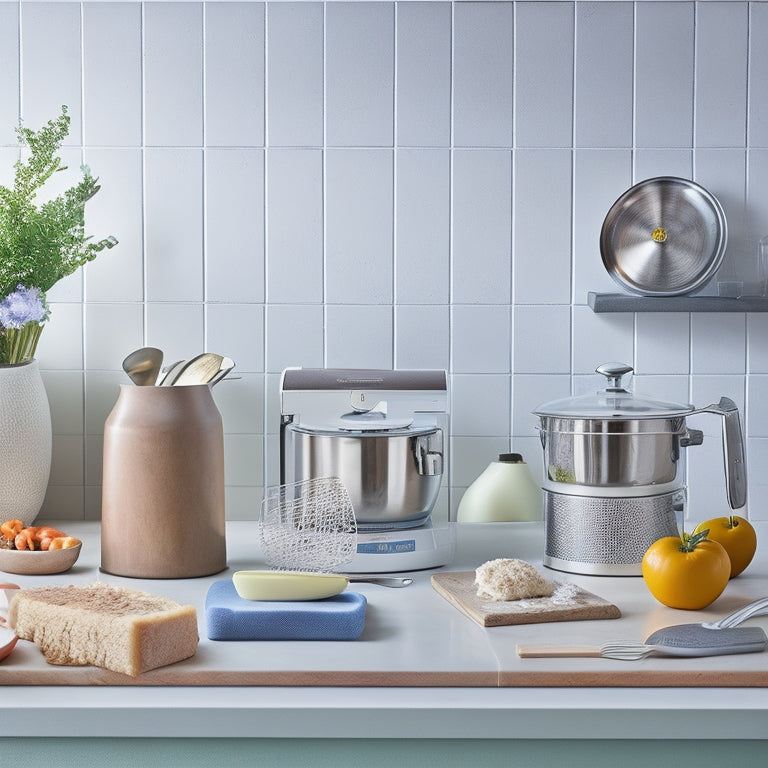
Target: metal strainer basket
{"x":308,"y":526}
{"x":606,"y":536}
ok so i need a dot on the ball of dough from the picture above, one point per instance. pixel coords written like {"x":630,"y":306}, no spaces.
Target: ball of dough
{"x":509,"y":579}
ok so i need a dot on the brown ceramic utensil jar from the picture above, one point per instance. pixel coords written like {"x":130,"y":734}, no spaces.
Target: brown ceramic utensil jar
{"x":162,"y":513}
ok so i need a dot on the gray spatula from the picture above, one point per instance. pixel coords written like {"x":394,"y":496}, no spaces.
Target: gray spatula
{"x":718,"y":638}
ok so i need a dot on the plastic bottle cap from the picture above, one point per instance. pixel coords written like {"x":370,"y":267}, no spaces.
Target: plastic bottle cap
{"x":511,"y":458}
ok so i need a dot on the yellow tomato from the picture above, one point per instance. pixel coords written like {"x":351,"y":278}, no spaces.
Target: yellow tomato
{"x":738,"y":537}
{"x":686,"y":572}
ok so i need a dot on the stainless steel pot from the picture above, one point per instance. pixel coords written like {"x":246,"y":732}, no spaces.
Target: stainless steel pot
{"x":614,"y":440}
{"x":614,"y":482}
{"x":392,"y":476}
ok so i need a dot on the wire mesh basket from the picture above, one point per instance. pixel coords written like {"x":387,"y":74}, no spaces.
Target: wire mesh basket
{"x":308,"y":526}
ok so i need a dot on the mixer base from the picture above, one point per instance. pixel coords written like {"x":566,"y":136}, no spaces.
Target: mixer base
{"x":414,"y":549}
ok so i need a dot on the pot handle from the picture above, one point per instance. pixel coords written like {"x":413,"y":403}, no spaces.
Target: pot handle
{"x":733,"y":451}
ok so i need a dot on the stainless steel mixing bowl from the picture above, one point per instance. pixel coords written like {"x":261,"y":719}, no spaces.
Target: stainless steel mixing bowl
{"x":392,"y":477}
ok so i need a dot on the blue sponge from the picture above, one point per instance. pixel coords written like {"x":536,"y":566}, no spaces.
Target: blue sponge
{"x":230,"y":617}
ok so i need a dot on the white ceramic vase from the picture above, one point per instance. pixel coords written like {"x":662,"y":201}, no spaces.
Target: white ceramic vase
{"x":25,"y":442}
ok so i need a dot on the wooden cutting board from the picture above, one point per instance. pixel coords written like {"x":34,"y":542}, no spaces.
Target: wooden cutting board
{"x":459,"y":589}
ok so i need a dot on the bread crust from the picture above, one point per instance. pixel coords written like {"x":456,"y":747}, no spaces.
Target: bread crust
{"x":107,"y":626}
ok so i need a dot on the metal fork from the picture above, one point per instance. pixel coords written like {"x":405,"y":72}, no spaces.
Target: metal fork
{"x":615,"y":649}
{"x":755,"y":608}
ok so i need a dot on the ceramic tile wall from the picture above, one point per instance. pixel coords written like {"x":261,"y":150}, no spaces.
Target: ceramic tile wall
{"x":376,"y":184}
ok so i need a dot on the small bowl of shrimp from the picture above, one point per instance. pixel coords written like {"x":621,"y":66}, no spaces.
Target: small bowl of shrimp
{"x":36,"y":550}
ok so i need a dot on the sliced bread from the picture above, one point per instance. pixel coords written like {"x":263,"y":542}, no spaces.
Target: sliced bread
{"x":107,"y":626}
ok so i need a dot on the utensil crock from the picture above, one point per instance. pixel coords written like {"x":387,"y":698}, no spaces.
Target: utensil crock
{"x":163,"y":512}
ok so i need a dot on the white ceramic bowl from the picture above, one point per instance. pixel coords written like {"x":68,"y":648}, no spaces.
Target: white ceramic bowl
{"x":38,"y":563}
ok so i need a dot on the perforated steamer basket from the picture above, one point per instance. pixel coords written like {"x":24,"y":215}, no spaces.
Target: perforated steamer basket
{"x":614,"y":478}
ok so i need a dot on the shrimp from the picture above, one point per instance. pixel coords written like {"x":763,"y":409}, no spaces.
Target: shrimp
{"x":25,"y":539}
{"x":64,"y":542}
{"x":45,"y":535}
{"x":11,"y":528}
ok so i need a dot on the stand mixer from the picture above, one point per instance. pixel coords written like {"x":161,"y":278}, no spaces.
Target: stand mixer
{"x":383,"y":434}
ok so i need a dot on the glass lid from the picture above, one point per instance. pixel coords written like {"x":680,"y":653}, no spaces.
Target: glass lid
{"x":613,"y":402}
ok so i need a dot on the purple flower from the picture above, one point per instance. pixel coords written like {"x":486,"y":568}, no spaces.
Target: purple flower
{"x":22,"y":306}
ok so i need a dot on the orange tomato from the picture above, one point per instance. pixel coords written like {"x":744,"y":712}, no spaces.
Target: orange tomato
{"x":738,"y":537}
{"x":686,"y":572}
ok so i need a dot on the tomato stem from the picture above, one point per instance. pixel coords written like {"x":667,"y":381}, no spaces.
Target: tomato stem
{"x":689,"y":542}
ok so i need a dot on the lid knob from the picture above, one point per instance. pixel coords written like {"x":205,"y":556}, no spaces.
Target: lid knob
{"x":613,"y":372}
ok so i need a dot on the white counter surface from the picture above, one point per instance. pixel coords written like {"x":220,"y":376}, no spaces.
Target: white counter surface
{"x":416,"y":645}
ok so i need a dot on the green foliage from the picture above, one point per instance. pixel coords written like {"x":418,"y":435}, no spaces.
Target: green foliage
{"x":40,"y":244}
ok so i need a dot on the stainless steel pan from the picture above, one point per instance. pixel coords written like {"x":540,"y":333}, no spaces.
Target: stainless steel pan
{"x":664,"y":237}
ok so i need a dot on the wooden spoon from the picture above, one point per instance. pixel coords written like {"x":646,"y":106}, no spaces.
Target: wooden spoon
{"x":199,"y":370}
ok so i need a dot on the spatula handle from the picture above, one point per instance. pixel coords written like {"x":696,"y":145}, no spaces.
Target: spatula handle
{"x":558,"y":651}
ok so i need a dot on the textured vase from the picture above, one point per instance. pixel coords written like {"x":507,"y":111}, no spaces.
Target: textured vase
{"x":25,"y":442}
{"x":162,"y":508}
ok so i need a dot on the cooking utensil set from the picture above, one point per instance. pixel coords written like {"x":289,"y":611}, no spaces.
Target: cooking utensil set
{"x":145,"y":368}
{"x":715,"y":638}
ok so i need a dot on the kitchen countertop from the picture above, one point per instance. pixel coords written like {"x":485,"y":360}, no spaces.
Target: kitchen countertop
{"x":417,"y":654}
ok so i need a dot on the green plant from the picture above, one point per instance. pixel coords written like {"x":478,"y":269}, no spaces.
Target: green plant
{"x":41,"y":244}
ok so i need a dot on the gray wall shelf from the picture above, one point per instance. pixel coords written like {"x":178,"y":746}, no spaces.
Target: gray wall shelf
{"x":622,"y":302}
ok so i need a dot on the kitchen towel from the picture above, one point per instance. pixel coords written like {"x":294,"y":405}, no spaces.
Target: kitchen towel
{"x":230,"y":617}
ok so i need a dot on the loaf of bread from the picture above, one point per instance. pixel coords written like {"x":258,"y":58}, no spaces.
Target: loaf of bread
{"x":106,"y":626}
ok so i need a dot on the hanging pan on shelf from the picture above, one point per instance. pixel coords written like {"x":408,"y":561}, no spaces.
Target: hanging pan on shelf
{"x":664,"y":237}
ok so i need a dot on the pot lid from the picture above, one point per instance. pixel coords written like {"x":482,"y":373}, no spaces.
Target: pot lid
{"x":370,"y":423}
{"x":613,"y":402}
{"x":664,"y":237}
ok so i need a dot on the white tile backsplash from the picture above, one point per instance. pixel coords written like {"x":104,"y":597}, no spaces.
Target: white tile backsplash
{"x":422,"y":226}
{"x":603,"y":108}
{"x":483,"y":72}
{"x":481,"y":218}
{"x":544,"y":94}
{"x":118,"y":274}
{"x":369,"y":184}
{"x":663,"y":343}
{"x":422,"y":337}
{"x":173,"y":74}
{"x":234,"y":224}
{"x":718,"y":343}
{"x":358,"y":226}
{"x":482,"y":339}
{"x":423,"y":72}
{"x":542,"y":217}
{"x":295,"y":236}
{"x":9,"y":72}
{"x":757,"y":62}
{"x":173,"y":225}
{"x":51,"y":64}
{"x":664,"y":74}
{"x":542,"y":339}
{"x":234,"y":74}
{"x":359,"y":74}
{"x":295,"y":70}
{"x":721,"y":80}
{"x":112,"y":54}
{"x":359,"y":336}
